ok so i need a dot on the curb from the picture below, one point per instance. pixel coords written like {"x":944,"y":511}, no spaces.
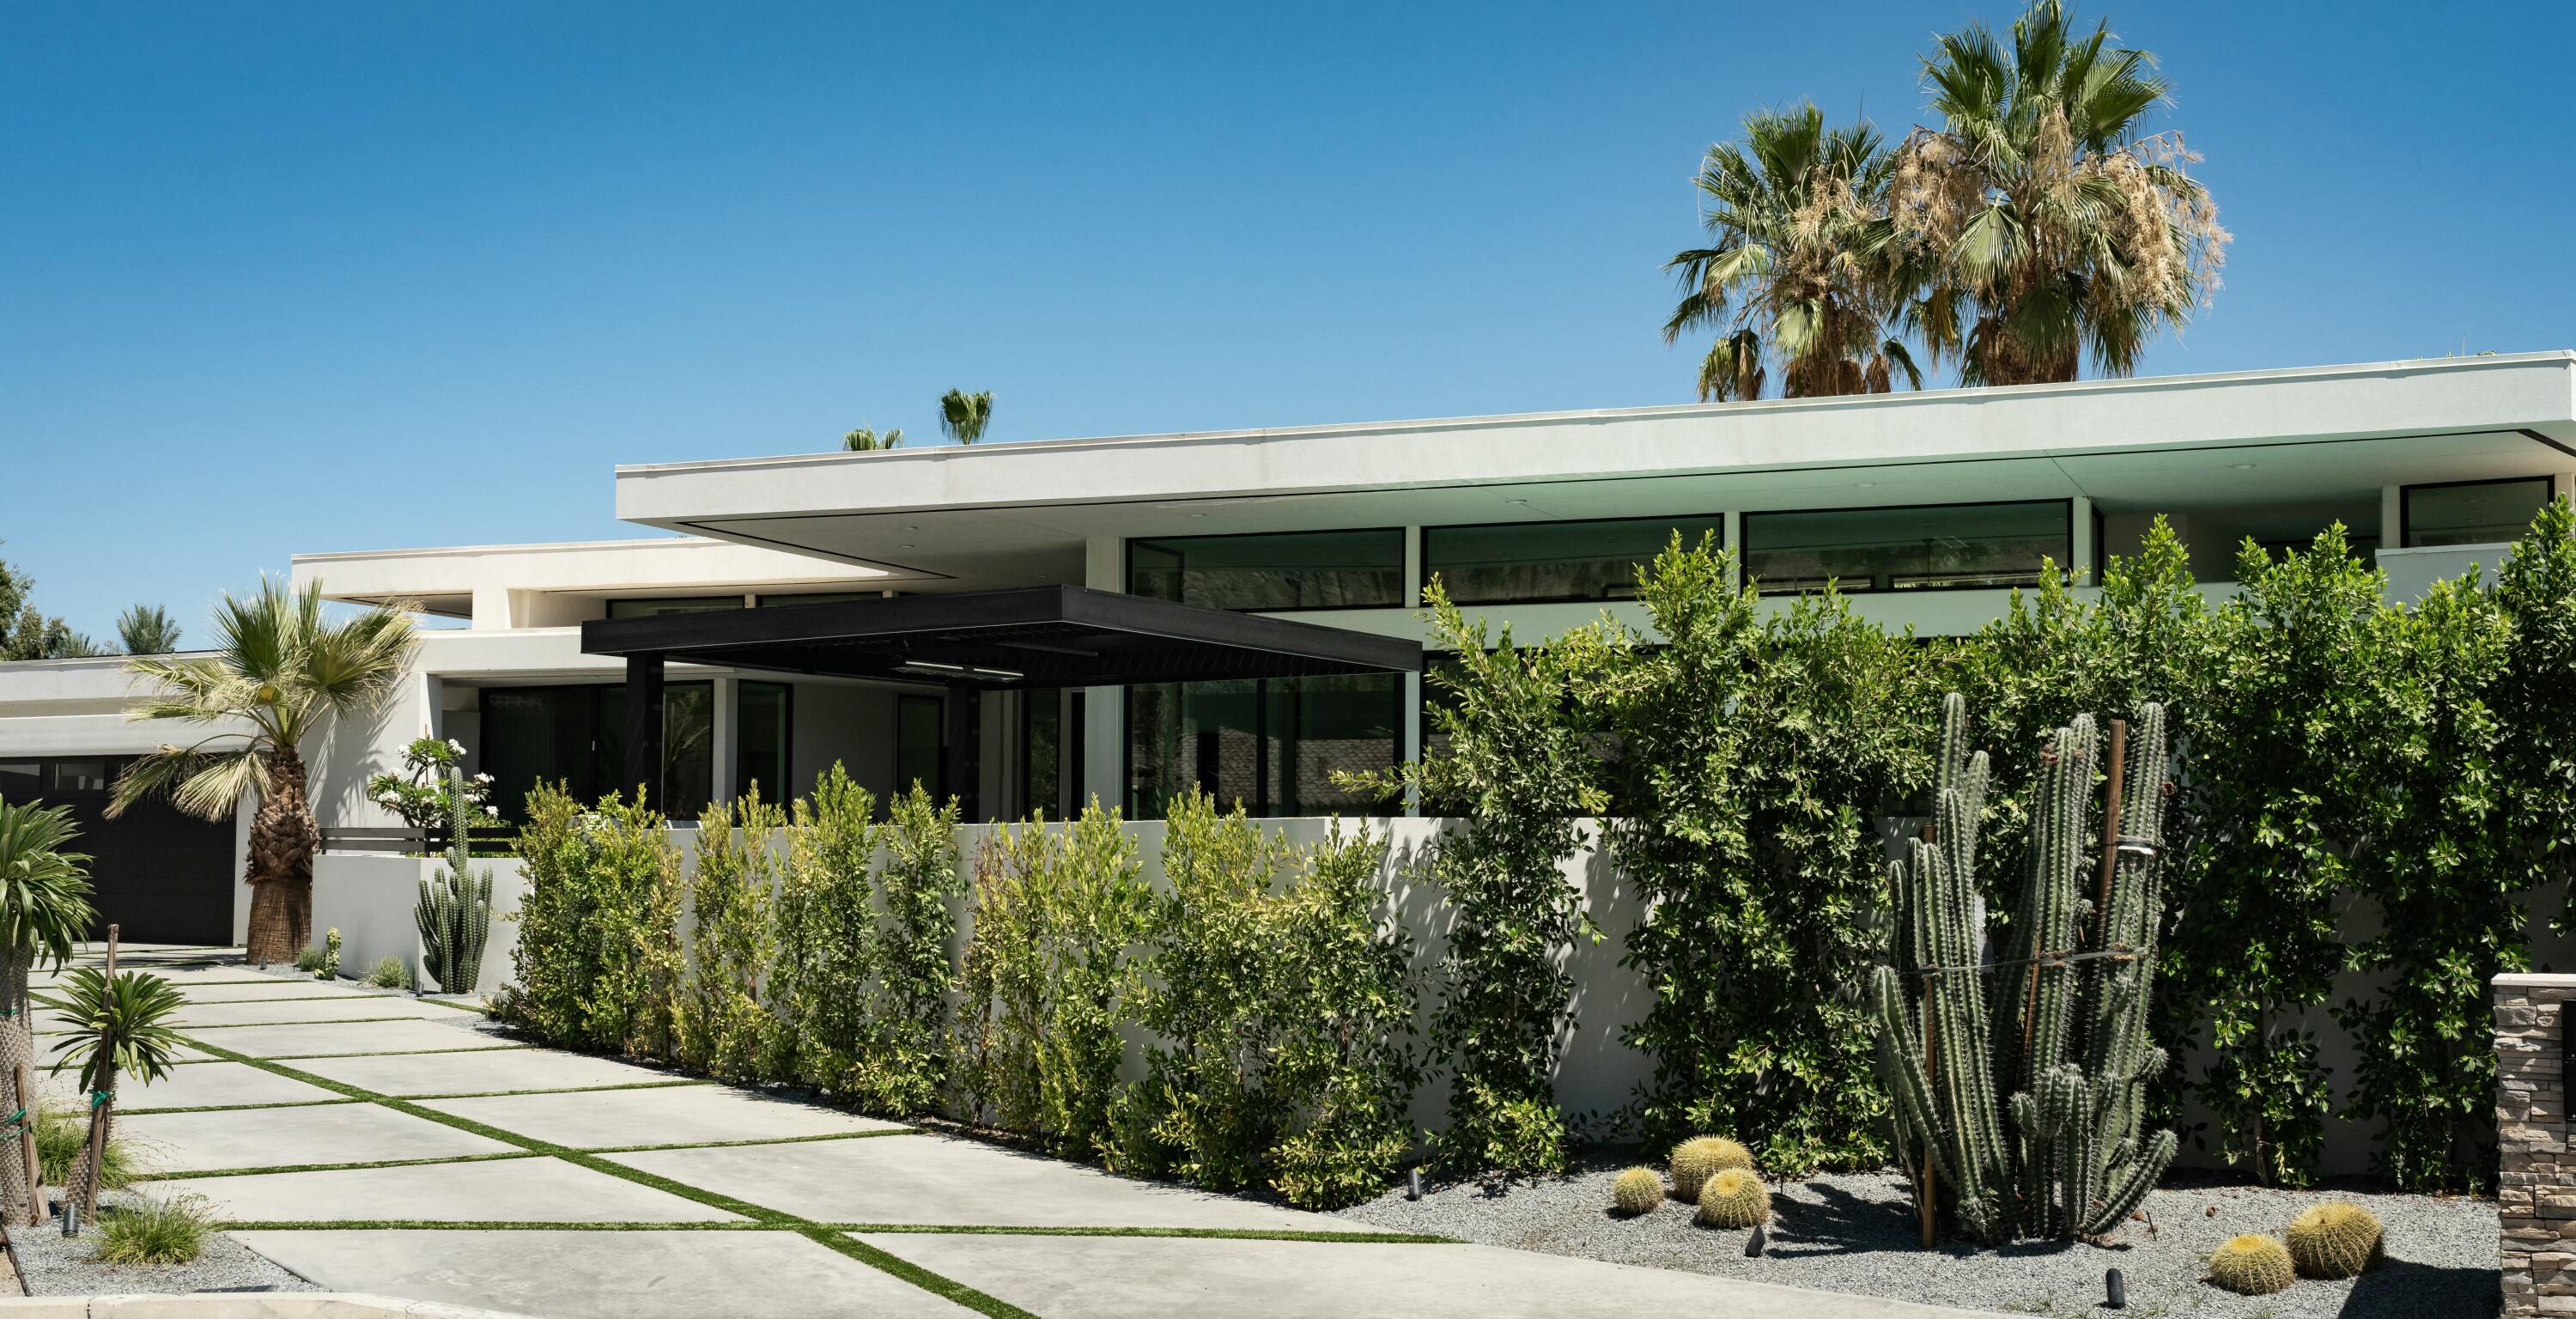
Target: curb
{"x":237,"y":1305}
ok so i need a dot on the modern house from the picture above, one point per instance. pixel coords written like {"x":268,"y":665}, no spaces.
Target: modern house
{"x":1029,"y":625}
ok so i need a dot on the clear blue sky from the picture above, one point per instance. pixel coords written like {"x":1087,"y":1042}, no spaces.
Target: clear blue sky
{"x":278,"y":278}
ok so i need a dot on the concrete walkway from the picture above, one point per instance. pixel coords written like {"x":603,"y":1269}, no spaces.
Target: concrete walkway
{"x":384,"y":1144}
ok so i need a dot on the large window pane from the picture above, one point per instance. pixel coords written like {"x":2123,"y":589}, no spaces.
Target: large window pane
{"x":576,"y":736}
{"x":1905,"y":549}
{"x":1532,"y":561}
{"x":2473,"y":513}
{"x":760,"y":740}
{"x":1042,"y":753}
{"x":917,"y":742}
{"x":1272,"y":745}
{"x":1294,"y":570}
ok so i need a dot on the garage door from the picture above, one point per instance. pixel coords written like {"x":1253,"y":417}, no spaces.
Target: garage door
{"x":161,"y":876}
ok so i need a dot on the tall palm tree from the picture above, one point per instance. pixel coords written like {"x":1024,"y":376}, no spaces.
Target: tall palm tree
{"x":965,"y":415}
{"x":279,"y":673}
{"x":44,"y":910}
{"x":2039,"y":224}
{"x":1796,"y":275}
{"x":147,"y":630}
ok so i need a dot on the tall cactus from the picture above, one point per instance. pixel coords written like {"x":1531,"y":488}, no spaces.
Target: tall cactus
{"x":455,"y":910}
{"x":2062,"y":1020}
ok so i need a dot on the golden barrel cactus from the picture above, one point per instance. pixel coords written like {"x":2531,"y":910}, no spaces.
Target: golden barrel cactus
{"x":2336,"y":1239}
{"x":1701,"y":1157}
{"x":2251,"y":1265}
{"x":1734,"y":1198}
{"x":1636,"y":1191}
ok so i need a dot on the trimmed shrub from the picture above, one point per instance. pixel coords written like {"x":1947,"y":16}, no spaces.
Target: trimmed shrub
{"x":825,"y":942}
{"x":1734,"y":1198}
{"x":906,"y":1064}
{"x":2336,"y":1239}
{"x":598,"y":961}
{"x":720,"y":1023}
{"x":1636,"y":1191}
{"x":2251,"y":1265}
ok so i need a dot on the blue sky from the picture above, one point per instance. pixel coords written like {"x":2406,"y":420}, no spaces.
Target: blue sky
{"x":277,"y":278}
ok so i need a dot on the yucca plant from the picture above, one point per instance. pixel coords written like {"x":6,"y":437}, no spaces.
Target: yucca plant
{"x":123,"y":1024}
{"x":44,"y":910}
{"x":279,"y":672}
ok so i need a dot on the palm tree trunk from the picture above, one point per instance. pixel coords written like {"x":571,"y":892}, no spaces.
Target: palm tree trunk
{"x":17,"y":1056}
{"x":283,"y":839}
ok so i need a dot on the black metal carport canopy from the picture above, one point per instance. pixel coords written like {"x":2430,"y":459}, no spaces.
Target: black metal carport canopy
{"x":1027,"y":637}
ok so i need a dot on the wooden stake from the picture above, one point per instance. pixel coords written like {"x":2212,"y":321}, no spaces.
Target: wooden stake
{"x":2111,"y":828}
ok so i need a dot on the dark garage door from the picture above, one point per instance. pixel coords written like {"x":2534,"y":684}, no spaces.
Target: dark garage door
{"x":163,"y":877}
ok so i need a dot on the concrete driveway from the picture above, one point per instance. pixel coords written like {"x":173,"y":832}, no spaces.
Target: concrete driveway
{"x":396,"y":1146}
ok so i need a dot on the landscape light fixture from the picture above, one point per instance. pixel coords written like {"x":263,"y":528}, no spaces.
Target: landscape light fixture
{"x":2115,"y":1291}
{"x":1413,"y":1183}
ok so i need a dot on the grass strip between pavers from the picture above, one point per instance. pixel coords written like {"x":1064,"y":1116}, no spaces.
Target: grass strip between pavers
{"x":123,"y":1111}
{"x":799,"y":1225}
{"x":358,"y":1166}
{"x":928,"y":1281}
{"x":1187,"y":1233}
{"x":563,"y":1090}
{"x":317,"y":1021}
{"x":228,"y":1056}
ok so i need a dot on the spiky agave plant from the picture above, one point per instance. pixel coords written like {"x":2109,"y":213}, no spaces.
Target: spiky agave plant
{"x":124,"y":1026}
{"x":44,"y":910}
{"x":2061,"y":1021}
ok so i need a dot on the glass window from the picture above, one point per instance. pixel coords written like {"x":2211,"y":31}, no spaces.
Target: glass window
{"x":682,"y":604}
{"x":1292,"y":570}
{"x":1042,"y":753}
{"x":21,"y":780}
{"x":1905,"y":549}
{"x":2472,"y":512}
{"x":576,"y":736}
{"x":918,"y":738}
{"x":1535,"y":561}
{"x":79,"y":776}
{"x":1272,"y":744}
{"x":760,"y":740}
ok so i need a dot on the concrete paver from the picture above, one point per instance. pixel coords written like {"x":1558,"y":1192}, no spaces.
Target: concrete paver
{"x":417,"y":1036}
{"x":286,"y":1137}
{"x":194,"y":1086}
{"x":404,"y":1075}
{"x":931,"y":1179}
{"x":273,"y":989}
{"x":605,"y":1275}
{"x":675,"y":1115}
{"x":537,"y":1190}
{"x":1126,"y":1277}
{"x":339,"y":1007}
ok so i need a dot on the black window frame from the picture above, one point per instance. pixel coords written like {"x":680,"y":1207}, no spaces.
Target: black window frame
{"x":1259,"y":806}
{"x":1407,"y":590}
{"x":513,"y":807}
{"x":936,"y":782}
{"x":2406,"y":506}
{"x":779,"y":792}
{"x":1744,"y":556}
{"x":1424,"y":573}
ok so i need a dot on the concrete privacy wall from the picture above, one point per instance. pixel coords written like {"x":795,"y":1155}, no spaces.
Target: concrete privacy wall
{"x":369,"y":900}
{"x":2536,"y":1183}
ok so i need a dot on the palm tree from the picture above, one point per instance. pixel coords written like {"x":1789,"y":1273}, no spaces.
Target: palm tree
{"x":2038,"y":224}
{"x":1797,"y":273}
{"x":965,"y":415}
{"x":147,"y":630}
{"x":864,"y":440}
{"x":279,"y":673}
{"x":125,"y":1025}
{"x":44,"y":910}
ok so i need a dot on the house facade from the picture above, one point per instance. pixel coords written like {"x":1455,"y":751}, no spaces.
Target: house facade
{"x":769,"y":613}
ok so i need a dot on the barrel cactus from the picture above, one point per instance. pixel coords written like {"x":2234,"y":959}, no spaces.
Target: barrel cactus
{"x":1636,"y":1191}
{"x":2020,"y":1076}
{"x":2336,"y":1239}
{"x":2251,"y":1265}
{"x":1734,"y":1198}
{"x":455,"y":910}
{"x":1701,"y":1157}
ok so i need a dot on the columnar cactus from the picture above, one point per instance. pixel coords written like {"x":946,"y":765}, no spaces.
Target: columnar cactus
{"x":455,"y":910}
{"x":2060,"y":1020}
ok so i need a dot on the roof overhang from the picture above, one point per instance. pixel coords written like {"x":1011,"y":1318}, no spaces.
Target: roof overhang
{"x":1014,"y":513}
{"x":1027,"y":638}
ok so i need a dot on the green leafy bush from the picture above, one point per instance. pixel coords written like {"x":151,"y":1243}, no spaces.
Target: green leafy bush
{"x":720,"y":1024}
{"x":826,"y":935}
{"x":62,"y":1133}
{"x":1048,"y":980}
{"x":599,"y":952}
{"x":390,"y":973}
{"x":904,"y":1068}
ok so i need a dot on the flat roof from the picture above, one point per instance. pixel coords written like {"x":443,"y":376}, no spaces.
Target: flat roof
{"x":1031,"y":637}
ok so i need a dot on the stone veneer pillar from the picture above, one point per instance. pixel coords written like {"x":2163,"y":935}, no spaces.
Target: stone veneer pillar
{"x":2536,"y":1176}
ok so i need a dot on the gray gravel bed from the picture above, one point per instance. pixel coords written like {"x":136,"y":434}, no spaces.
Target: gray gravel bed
{"x":56,"y":1265}
{"x":1856,"y":1232}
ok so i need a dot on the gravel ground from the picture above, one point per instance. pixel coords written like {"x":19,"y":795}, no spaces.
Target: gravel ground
{"x":1857,"y":1233}
{"x":56,"y":1265}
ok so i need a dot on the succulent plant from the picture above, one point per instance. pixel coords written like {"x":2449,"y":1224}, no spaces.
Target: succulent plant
{"x":455,"y":910}
{"x":2336,"y":1239}
{"x":1734,"y":1198}
{"x":1697,"y":1159}
{"x":1636,"y":1191}
{"x":2251,"y":1265}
